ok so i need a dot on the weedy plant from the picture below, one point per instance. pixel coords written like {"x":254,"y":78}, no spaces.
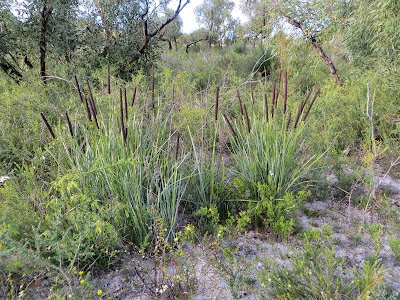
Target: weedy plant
{"x":227,"y":257}
{"x":166,"y":270}
{"x":394,"y":244}
{"x":317,"y":272}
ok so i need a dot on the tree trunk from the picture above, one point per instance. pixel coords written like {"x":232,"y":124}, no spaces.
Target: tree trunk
{"x":42,"y":41}
{"x":168,"y":41}
{"x":327,"y":60}
{"x":316,"y":45}
{"x":193,"y":43}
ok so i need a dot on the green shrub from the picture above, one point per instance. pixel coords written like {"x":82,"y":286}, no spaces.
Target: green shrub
{"x":77,"y":228}
{"x":276,"y":214}
{"x":239,"y":48}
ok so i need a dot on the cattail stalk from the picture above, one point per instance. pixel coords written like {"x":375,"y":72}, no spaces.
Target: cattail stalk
{"x":125,"y":135}
{"x":288,"y":121}
{"x":265,"y":79}
{"x":89,"y":115}
{"x":91,"y":97}
{"x":285,"y":83}
{"x":277,"y":90}
{"x":247,"y":118}
{"x":93,"y":113}
{"x":152,"y":87}
{"x":300,"y":109}
{"x":311,"y":104}
{"x":173,"y":91}
{"x":78,"y":88}
{"x":121,"y":110}
{"x":108,"y":80}
{"x":251,"y":92}
{"x":48,"y":125}
{"x":177,"y":145}
{"x":69,"y":125}
{"x":134,"y":96}
{"x":216,"y":104}
{"x":126,"y":105}
{"x":240,"y":101}
{"x":266,"y":107}
{"x":229,"y":125}
{"x":273,"y":99}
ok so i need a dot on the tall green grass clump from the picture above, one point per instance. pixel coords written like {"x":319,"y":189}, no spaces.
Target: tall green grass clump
{"x":134,"y":174}
{"x":270,"y":158}
{"x":271,"y":152}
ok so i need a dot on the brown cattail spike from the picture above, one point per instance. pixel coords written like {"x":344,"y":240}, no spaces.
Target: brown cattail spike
{"x":69,"y":125}
{"x":121,"y":110}
{"x":307,"y":97}
{"x":89,"y":115}
{"x":178,"y":136}
{"x":78,"y":88}
{"x":311,"y":104}
{"x":134,"y":96}
{"x":91,"y":97}
{"x":229,"y":125}
{"x":240,"y":101}
{"x":216,"y":104}
{"x":247,"y":118}
{"x":300,"y":109}
{"x":125,"y":135}
{"x":277,"y":90}
{"x":265,"y":79}
{"x":48,"y":125}
{"x":94,"y":115}
{"x":266,"y":107}
{"x":289,"y":119}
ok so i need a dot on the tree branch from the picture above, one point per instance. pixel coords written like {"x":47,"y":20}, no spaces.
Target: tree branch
{"x":108,"y":33}
{"x":315,"y":44}
{"x":149,"y":35}
{"x":194,"y":42}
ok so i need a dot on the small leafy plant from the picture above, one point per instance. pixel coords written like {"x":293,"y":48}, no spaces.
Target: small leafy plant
{"x":316,"y":272}
{"x":394,"y":244}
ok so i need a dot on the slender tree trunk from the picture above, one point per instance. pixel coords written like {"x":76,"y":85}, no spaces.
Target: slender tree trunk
{"x":46,"y":12}
{"x":327,"y":60}
{"x":317,"y":47}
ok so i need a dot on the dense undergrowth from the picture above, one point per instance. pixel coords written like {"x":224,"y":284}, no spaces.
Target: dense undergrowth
{"x":211,"y":144}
